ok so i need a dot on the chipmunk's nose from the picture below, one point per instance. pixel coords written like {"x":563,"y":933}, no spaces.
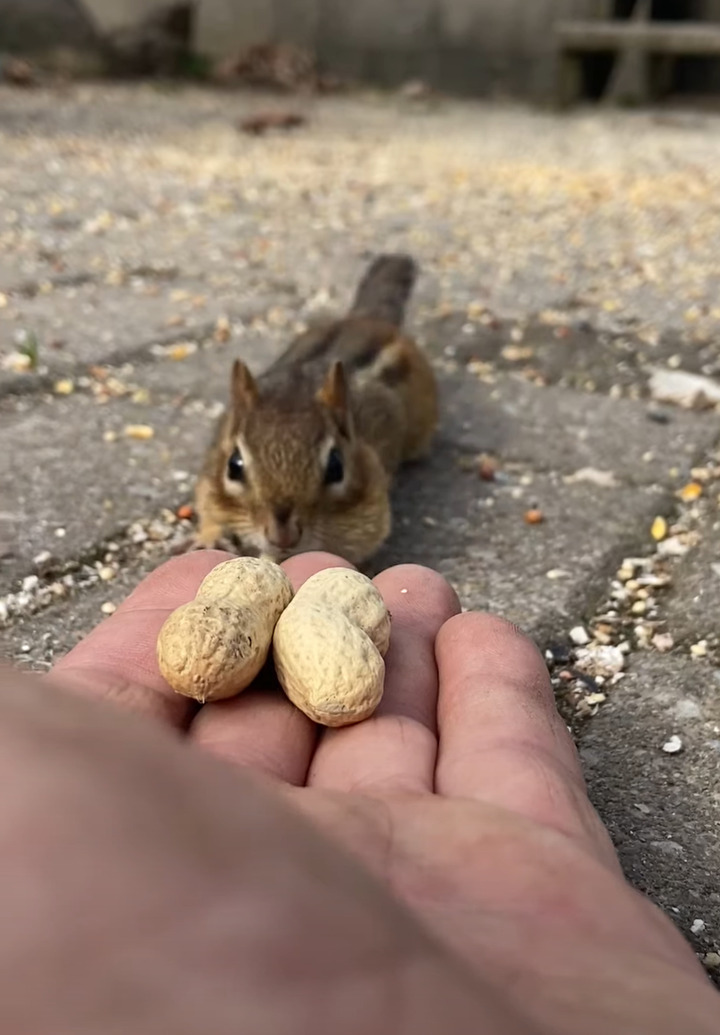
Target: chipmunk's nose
{"x":283,"y":528}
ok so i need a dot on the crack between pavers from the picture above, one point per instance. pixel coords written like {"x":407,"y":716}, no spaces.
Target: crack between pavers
{"x":32,"y":384}
{"x":33,"y":287}
{"x":616,"y":624}
{"x":28,"y":383}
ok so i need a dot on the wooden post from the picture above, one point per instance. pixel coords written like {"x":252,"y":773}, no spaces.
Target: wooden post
{"x":568,"y":74}
{"x":630,"y":82}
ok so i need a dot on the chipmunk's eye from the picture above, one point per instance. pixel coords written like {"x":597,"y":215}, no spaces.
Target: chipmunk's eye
{"x":335,"y":469}
{"x":236,"y":467}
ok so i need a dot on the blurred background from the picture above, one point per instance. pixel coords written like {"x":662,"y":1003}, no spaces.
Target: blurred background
{"x":466,"y":46}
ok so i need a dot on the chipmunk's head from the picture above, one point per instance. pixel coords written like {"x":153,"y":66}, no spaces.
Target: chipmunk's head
{"x":294,"y":475}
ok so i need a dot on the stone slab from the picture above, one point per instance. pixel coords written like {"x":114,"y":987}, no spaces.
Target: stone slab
{"x":550,"y":428}
{"x":538,"y":576}
{"x":663,"y":811}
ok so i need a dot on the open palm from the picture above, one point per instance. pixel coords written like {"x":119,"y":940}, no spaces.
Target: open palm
{"x":464,"y":794}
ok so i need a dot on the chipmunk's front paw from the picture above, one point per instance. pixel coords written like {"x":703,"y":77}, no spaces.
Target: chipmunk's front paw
{"x":226,"y":543}
{"x":206,"y":541}
{"x":187,"y":545}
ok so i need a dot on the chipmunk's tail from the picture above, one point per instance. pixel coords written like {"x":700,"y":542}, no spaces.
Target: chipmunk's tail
{"x":385,"y":289}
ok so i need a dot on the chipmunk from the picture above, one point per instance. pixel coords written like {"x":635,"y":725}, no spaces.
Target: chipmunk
{"x":304,"y":456}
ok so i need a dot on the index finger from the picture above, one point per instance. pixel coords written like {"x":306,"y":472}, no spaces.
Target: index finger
{"x":117,"y":661}
{"x":502,"y":740}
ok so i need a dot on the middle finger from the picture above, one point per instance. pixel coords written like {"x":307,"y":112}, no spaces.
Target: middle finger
{"x":394,"y":751}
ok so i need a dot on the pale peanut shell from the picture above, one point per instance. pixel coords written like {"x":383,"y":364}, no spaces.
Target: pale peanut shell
{"x":210,"y":651}
{"x":248,"y":582}
{"x":328,"y":667}
{"x":353,"y":594}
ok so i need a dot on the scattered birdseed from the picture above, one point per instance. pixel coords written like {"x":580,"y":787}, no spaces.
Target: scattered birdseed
{"x":141,"y":432}
{"x":659,"y":529}
{"x":579,"y":636}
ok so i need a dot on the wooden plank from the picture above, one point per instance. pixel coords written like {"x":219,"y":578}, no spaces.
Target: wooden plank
{"x":684,"y":38}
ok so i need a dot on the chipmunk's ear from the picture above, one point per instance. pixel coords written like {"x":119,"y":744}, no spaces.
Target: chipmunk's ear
{"x":244,"y":388}
{"x":334,"y":394}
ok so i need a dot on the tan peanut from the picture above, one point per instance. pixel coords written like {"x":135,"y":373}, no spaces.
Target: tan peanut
{"x":346,"y":590}
{"x":328,"y":647}
{"x":213,"y":647}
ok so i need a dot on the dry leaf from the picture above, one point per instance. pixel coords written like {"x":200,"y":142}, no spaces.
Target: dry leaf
{"x":18,"y":72}
{"x":258,"y":124}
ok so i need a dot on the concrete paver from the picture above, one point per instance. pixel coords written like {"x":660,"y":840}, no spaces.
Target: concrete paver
{"x":662,"y":809}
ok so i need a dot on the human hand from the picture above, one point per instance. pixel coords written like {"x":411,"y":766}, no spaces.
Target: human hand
{"x":463,"y":794}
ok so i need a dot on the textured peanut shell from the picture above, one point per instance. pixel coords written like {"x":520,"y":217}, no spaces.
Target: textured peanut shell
{"x":248,"y":582}
{"x":211,"y":650}
{"x":353,"y":594}
{"x":328,"y":667}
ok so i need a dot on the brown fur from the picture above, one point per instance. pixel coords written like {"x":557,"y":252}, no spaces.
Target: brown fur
{"x":358,"y":384}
